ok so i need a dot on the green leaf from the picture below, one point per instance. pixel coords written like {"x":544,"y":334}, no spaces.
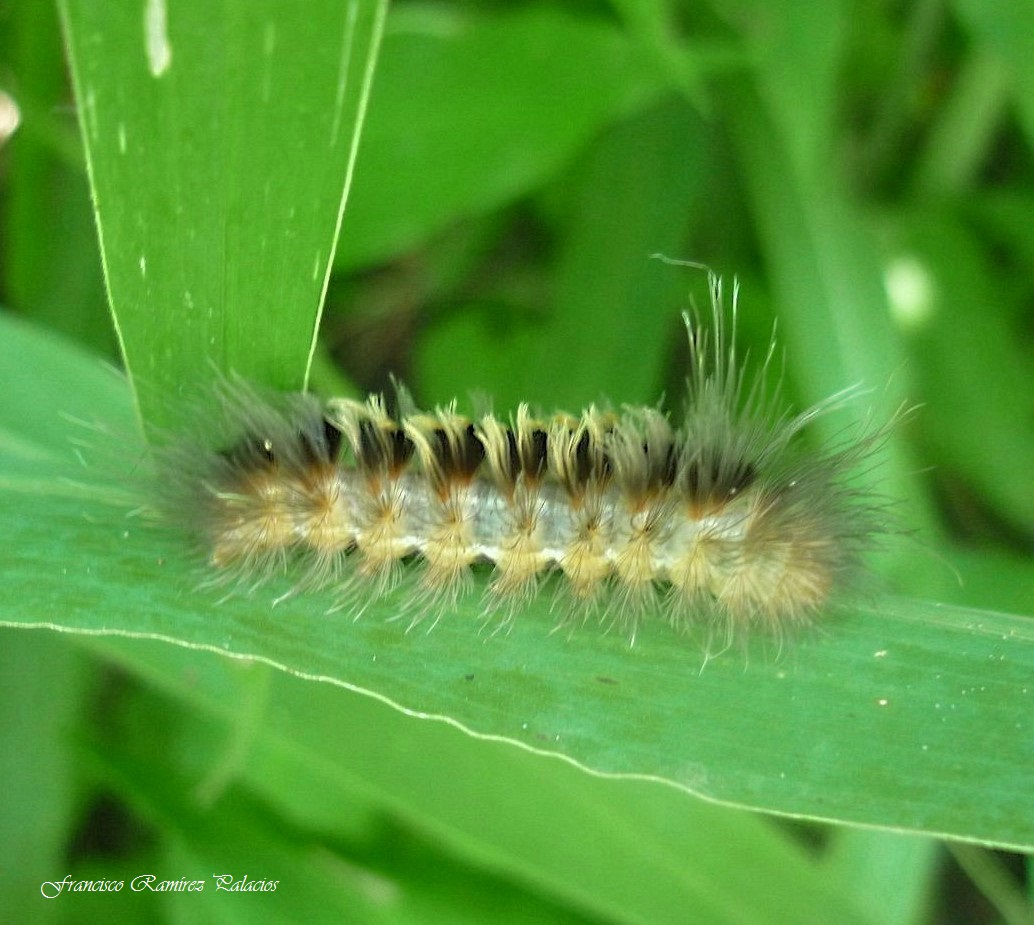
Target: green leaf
{"x":232,"y":843}
{"x":987,"y":442}
{"x":862,"y":722}
{"x":217,"y":222}
{"x":319,"y":875}
{"x":42,"y":681}
{"x":470,"y":112}
{"x":888,"y":874}
{"x":1003,"y":27}
{"x":322,"y":755}
{"x":615,"y":309}
{"x":50,"y":268}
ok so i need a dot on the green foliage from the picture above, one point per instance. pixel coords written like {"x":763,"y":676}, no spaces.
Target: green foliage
{"x":865,"y":172}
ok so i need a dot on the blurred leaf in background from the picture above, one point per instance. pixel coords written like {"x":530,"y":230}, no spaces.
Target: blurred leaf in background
{"x":863,"y":169}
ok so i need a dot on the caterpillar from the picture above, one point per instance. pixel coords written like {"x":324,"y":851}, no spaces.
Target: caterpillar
{"x":723,"y":520}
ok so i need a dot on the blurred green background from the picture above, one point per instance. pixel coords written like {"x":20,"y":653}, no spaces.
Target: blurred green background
{"x":863,"y":170}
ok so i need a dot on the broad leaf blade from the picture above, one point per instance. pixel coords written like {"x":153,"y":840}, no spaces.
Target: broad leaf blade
{"x":871,"y":721}
{"x":217,"y":222}
{"x":539,"y":822}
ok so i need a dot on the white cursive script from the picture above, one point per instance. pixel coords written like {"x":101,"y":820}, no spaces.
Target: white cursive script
{"x":244,"y":885}
{"x":51,"y":889}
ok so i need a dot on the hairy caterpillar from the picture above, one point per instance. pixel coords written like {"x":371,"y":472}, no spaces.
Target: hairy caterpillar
{"x":723,"y":519}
